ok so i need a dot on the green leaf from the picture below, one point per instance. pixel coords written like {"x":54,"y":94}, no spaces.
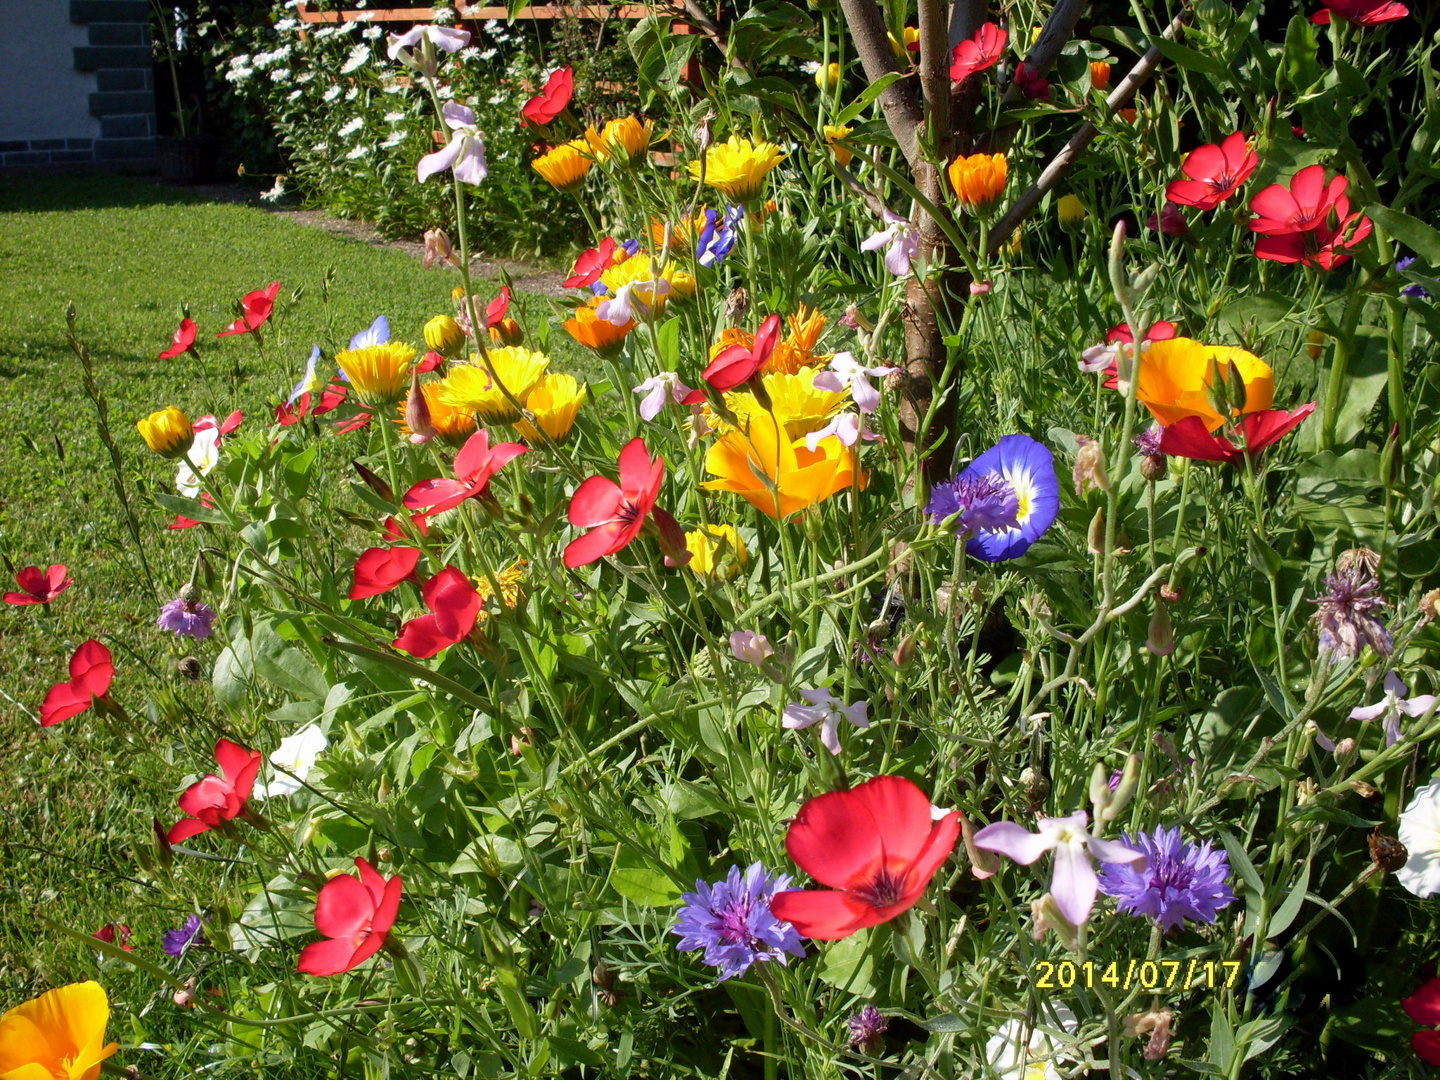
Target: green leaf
{"x":190,"y":508}
{"x":1300,"y":69}
{"x":668,"y":340}
{"x":231,"y":676}
{"x":1241,"y":863}
{"x":286,"y":665}
{"x":1366,"y":374}
{"x":869,"y":94}
{"x":849,"y":964}
{"x":298,"y":468}
{"x":944,"y":1024}
{"x":1286,"y":912}
{"x":1193,"y":60}
{"x":1420,"y":238}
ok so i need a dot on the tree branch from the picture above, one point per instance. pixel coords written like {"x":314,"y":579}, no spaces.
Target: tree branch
{"x":898,"y":101}
{"x":935,"y":74}
{"x":966,"y":17}
{"x":696,"y":14}
{"x":1061,"y":162}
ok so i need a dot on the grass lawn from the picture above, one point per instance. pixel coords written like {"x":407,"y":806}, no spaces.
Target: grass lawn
{"x":128,"y":253}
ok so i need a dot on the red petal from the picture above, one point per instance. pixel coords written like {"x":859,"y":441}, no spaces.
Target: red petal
{"x":378,"y":570}
{"x":231,"y":422}
{"x":89,"y":655}
{"x":596,"y":501}
{"x":595,"y":544}
{"x":373,"y":881}
{"x":1426,"y":1044}
{"x":1163,"y":330}
{"x":640,"y":477}
{"x":842,"y":834}
{"x":1188,"y":438}
{"x":495,"y":310}
{"x":62,"y":702}
{"x":233,"y":758}
{"x":209,"y":793}
{"x":1266,"y":428}
{"x":453,"y":599}
{"x":367,"y":948}
{"x":937,"y":848}
{"x":1276,"y":206}
{"x":1423,"y":1006}
{"x":1204,"y":162}
{"x":32,"y":580}
{"x":184,"y":829}
{"x":732,"y":367}
{"x":326,"y":958}
{"x":822,"y":914}
{"x":388,"y":908}
{"x":430,"y":362}
{"x":421,"y":638}
{"x":343,"y":908}
{"x":439,"y":495}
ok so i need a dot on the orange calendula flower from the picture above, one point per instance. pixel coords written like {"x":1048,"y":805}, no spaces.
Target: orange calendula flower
{"x":565,"y":166}
{"x":978,"y":180}
{"x":794,"y":352}
{"x":1174,"y":378}
{"x":595,"y":333}
{"x":452,"y":425}
{"x":555,"y":400}
{"x":776,"y":476}
{"x":738,"y":167}
{"x":626,"y":140}
{"x":1099,"y":75}
{"x":60,"y":1034}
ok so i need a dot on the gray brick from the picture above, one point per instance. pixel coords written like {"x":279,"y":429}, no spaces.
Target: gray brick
{"x":80,"y":144}
{"x":64,"y":157}
{"x":122,"y":79}
{"x":122,"y":104}
{"x":12,"y":147}
{"x":124,"y":149}
{"x":27,"y":159}
{"x":119,"y":34}
{"x":125,"y":127}
{"x":88,"y":11}
{"x":95,"y":57}
{"x":47,"y":144}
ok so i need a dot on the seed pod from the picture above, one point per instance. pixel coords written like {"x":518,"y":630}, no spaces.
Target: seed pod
{"x":1387,"y":853}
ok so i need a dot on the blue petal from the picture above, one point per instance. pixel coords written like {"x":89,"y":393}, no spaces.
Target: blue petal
{"x":378,"y":334}
{"x":1027,"y":464}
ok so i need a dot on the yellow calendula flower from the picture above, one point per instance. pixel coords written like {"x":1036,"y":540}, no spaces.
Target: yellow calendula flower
{"x":1071,"y":211}
{"x":452,"y":425}
{"x":379,"y":374}
{"x":626,"y":140}
{"x":638,"y":268}
{"x":834,"y":135}
{"x":167,"y":431}
{"x":469,"y":386}
{"x":565,"y":167}
{"x":1174,"y":375}
{"x":595,"y":333}
{"x":509,"y":581}
{"x":443,"y":334}
{"x":978,"y":180}
{"x":774,"y":475}
{"x":797,"y":404}
{"x":716,"y":551}
{"x":738,"y":167}
{"x":555,"y":400}
{"x":827,"y":76}
{"x":60,"y":1034}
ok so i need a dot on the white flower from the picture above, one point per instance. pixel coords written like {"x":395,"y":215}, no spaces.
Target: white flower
{"x":370,"y":33}
{"x":395,"y":138}
{"x":394,"y":117}
{"x":293,"y":758}
{"x":1420,"y":833}
{"x":750,"y":647}
{"x":846,"y":371}
{"x":352,"y":93}
{"x":445,"y":38}
{"x":350,"y":128}
{"x":656,"y":389}
{"x":900,"y":239}
{"x":274,"y":194}
{"x":334,"y":92}
{"x":204,"y":452}
{"x":1035,"y":1060}
{"x":356,"y":154}
{"x":358,"y":58}
{"x":826,"y":709}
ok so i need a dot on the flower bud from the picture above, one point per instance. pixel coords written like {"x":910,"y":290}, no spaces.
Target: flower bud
{"x":1430,"y":605}
{"x":1156,"y":1023}
{"x":1048,"y":916}
{"x":417,"y":413}
{"x":1305,"y":791}
{"x":438,"y":249}
{"x":1100,"y":793}
{"x":704,"y":133}
{"x":1160,"y":638}
{"x":1071,"y":212}
{"x":1360,"y":558}
{"x":1124,"y":791}
{"x":1315,"y":344}
{"x":904,"y":653}
{"x":1153,"y":467}
{"x":1343,"y":749}
{"x":507,"y":332}
{"x":168,"y":432}
{"x":827,"y":76}
{"x":1095,"y":537}
{"x":1099,"y":75}
{"x":443,"y":334}
{"x":1035,"y":785}
{"x":163,"y":853}
{"x":983,"y":863}
{"x":1090,"y":466}
{"x":189,"y":668}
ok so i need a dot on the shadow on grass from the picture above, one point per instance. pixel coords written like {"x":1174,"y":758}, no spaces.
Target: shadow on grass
{"x":22,"y":193}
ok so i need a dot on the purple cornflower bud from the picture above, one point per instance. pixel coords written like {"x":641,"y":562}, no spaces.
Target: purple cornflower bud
{"x":867,"y":1030}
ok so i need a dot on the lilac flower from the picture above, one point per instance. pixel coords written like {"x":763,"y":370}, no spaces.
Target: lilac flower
{"x":187,"y":618}
{"x":1417,"y":291}
{"x":717,"y":238}
{"x":827,"y":710}
{"x":848,"y":427}
{"x":377,"y":333}
{"x":1007,"y":498}
{"x":656,"y":389}
{"x":867,"y":1029}
{"x":465,"y":153}
{"x":1390,"y":707}
{"x":901,"y":241}
{"x":175,"y":942}
{"x":1346,"y":615}
{"x":1175,"y":881}
{"x":750,"y":647}
{"x":626,"y":304}
{"x":1073,"y":883}
{"x":429,"y":38}
{"x":846,"y":371}
{"x":732,"y":921}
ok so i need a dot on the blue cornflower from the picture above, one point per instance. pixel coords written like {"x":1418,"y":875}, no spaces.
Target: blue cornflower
{"x":1182,"y":881}
{"x":1417,"y":291}
{"x":175,"y":942}
{"x":717,"y":239}
{"x":731,"y":920}
{"x":1007,"y":497}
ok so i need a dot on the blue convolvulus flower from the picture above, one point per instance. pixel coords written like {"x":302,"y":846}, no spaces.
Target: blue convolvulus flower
{"x":1182,"y":881}
{"x":1006,"y":498}
{"x":732,"y":921}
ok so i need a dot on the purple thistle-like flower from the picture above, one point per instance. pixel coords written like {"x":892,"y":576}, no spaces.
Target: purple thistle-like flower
{"x":732,"y":921}
{"x":175,"y":942}
{"x":1148,"y":441}
{"x":867,"y":1028}
{"x":187,"y":618}
{"x":1346,"y":615}
{"x":984,"y":501}
{"x":1182,"y":881}
{"x":1419,"y":292}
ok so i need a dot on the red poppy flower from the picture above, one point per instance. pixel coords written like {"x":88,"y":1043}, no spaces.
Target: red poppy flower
{"x":1362,"y":13}
{"x":551,"y":101}
{"x":216,"y":799}
{"x":1305,"y":204}
{"x":39,"y":586}
{"x":614,"y":513}
{"x":1423,"y":1007}
{"x":110,"y":931}
{"x":1031,"y":83}
{"x":454,"y":606}
{"x":1323,"y":247}
{"x":429,"y":362}
{"x":1215,"y":172}
{"x":978,"y":53}
{"x":475,"y":464}
{"x":255,"y":309}
{"x":91,"y":670}
{"x":589,"y":266}
{"x":356,"y":915}
{"x":737,"y":364}
{"x":1188,"y":437}
{"x":379,"y":569}
{"x":182,"y":342}
{"x":876,"y":846}
{"x":394,"y":532}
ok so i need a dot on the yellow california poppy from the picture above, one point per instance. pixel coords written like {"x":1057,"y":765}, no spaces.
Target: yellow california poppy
{"x":379,"y":374}
{"x":555,"y":400}
{"x":738,"y":167}
{"x":774,"y":475}
{"x":60,"y":1034}
{"x":469,"y":386}
{"x":716,"y":551}
{"x":1174,"y":374}
{"x":167,"y":432}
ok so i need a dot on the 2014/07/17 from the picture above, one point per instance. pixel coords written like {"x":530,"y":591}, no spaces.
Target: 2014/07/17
{"x":1151,"y":974}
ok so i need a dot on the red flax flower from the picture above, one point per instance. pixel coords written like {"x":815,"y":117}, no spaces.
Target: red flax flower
{"x":1031,"y":83}
{"x":1215,"y":173}
{"x":978,"y":53}
{"x":1323,"y":247}
{"x":876,"y":846}
{"x":183,"y":522}
{"x":110,"y":931}
{"x":255,"y":309}
{"x":475,"y":464}
{"x":614,"y":513}
{"x":1423,"y":1007}
{"x":356,"y":915}
{"x":552,"y":100}
{"x":454,"y":605}
{"x":182,"y":342}
{"x":1305,"y":204}
{"x":590,"y":265}
{"x":330,"y":399}
{"x":738,"y":364}
{"x":379,"y":569}
{"x":39,"y":586}
{"x":217,"y":799}
{"x":1188,"y":437}
{"x":1362,"y":13}
{"x":91,"y":670}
